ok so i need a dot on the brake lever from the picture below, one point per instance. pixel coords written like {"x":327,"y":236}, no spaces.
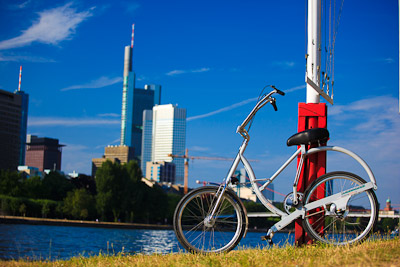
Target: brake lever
{"x":273,"y":103}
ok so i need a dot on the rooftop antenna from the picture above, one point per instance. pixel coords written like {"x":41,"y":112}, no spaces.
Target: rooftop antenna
{"x":20,"y":75}
{"x":133,"y":34}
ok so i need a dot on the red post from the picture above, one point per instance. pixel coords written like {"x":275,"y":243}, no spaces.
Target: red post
{"x":310,"y":116}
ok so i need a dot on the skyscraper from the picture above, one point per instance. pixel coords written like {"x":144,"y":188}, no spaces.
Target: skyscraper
{"x":134,"y":102}
{"x":168,"y":136}
{"x":23,"y":125}
{"x":147,"y":138}
{"x":43,"y":153}
{"x":10,"y":130}
{"x":24,"y":119}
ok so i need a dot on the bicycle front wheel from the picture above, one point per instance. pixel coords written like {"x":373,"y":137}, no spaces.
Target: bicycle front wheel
{"x":328,"y":223}
{"x":200,"y":233}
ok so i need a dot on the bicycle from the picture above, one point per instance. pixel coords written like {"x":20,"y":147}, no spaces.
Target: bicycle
{"x":337,"y":208}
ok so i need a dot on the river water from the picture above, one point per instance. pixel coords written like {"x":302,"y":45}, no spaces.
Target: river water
{"x":43,"y":242}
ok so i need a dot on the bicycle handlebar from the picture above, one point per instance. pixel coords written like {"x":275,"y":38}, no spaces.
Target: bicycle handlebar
{"x":278,"y":91}
{"x":261,"y":103}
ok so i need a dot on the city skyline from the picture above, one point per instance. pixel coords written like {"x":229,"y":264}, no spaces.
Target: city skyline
{"x":213,"y":59}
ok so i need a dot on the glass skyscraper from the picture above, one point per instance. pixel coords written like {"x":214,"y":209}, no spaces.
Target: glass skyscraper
{"x":134,"y":102}
{"x":147,"y":138}
{"x":24,"y":125}
{"x":168,"y":136}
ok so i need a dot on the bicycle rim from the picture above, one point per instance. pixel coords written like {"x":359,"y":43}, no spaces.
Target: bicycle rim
{"x":330,"y":225}
{"x":196,"y":234}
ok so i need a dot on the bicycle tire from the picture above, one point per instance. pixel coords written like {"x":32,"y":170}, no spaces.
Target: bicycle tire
{"x":223,"y":235}
{"x":329,"y":225}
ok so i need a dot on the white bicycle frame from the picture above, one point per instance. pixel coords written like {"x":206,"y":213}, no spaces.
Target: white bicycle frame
{"x":339,"y":199}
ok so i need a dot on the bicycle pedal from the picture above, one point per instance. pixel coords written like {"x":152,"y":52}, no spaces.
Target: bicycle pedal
{"x":268,"y":239}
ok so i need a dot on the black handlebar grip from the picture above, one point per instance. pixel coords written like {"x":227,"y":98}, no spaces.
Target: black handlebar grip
{"x":278,"y":91}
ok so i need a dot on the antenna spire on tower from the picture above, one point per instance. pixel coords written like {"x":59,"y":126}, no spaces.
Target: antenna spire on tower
{"x":133,"y":34}
{"x":20,"y":75}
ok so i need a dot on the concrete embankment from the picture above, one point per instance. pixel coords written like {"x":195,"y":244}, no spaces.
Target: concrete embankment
{"x":65,"y":222}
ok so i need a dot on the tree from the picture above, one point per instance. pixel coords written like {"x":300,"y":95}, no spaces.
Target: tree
{"x":22,"y":209}
{"x":111,"y":182}
{"x":45,"y":209}
{"x":134,"y":203}
{"x":33,"y":187}
{"x":10,"y":183}
{"x":134,"y":171}
{"x":85,"y":181}
{"x":56,"y":186}
{"x":79,"y":204}
{"x":173,"y":200}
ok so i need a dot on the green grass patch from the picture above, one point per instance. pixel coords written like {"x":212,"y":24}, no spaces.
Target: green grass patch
{"x":369,"y":253}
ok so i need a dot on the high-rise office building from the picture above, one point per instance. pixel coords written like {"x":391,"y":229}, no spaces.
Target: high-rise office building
{"x":120,"y":154}
{"x":168,"y":136}
{"x":147,"y":137}
{"x":10,"y":130}
{"x":163,"y":172}
{"x":43,"y":153}
{"x":24,"y":125}
{"x":134,"y":102}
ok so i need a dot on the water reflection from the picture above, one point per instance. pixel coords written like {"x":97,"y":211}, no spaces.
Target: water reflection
{"x":61,"y":242}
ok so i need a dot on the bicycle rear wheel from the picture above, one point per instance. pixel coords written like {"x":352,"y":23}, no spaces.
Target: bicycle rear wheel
{"x":330,"y":225}
{"x":200,"y":234}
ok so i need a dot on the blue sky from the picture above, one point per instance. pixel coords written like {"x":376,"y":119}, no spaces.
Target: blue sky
{"x":212,"y":58}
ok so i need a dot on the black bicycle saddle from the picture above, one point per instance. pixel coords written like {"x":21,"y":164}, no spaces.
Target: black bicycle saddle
{"x":308,"y":137}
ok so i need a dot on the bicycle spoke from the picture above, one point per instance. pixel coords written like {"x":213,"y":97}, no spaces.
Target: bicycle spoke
{"x":343,"y":225}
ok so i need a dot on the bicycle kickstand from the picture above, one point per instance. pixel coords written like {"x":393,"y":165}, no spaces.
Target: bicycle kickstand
{"x":268,"y":237}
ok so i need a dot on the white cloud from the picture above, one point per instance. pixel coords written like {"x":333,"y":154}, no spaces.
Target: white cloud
{"x":52,"y":121}
{"x":114,"y":142}
{"x":370,"y":127}
{"x":20,"y":6}
{"x":131,"y":7}
{"x":388,"y":60}
{"x":236,"y":105}
{"x":178,"y":72}
{"x":285,"y":64}
{"x":99,"y":83}
{"x":53,"y":26}
{"x":78,"y":158}
{"x":296,"y":88}
{"x":19,"y":58}
{"x":113,"y":115}
{"x":199,"y":148}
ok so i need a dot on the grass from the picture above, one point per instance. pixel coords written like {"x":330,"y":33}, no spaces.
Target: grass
{"x":369,"y":253}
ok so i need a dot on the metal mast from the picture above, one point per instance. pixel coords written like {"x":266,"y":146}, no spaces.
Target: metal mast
{"x":313,"y":49}
{"x":20,"y":76}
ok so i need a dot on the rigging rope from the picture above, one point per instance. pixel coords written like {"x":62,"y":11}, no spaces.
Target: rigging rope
{"x":331,"y":29}
{"x":328,"y":75}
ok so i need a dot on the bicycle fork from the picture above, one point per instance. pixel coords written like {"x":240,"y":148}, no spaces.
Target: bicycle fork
{"x":210,"y":219}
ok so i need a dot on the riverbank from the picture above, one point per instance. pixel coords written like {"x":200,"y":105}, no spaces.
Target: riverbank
{"x":79,"y":223}
{"x":370,"y":253}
